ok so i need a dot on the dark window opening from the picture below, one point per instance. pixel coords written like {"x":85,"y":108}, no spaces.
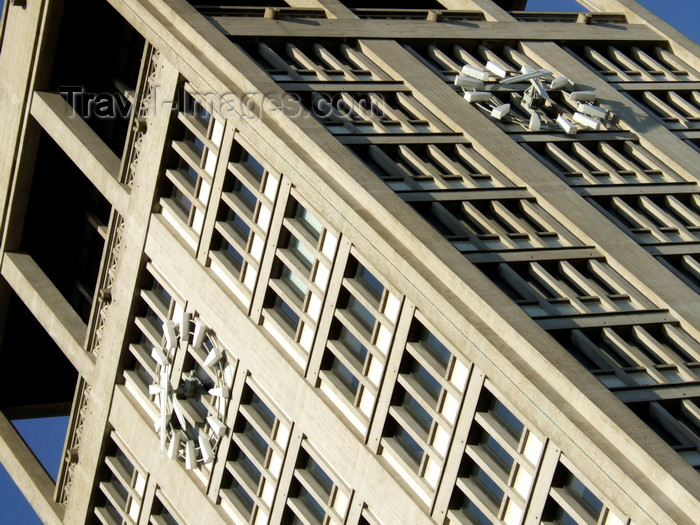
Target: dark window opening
{"x":65,"y":226}
{"x":96,"y":67}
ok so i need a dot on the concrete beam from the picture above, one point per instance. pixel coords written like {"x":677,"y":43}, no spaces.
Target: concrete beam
{"x":92,"y":156}
{"x":50,"y":308}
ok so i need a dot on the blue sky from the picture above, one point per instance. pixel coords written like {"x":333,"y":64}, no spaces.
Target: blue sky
{"x":46,"y":437}
{"x":684,"y":15}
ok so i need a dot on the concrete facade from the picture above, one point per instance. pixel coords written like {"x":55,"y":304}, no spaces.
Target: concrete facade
{"x":279,"y":269}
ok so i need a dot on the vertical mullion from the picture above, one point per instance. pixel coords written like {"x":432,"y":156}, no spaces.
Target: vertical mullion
{"x":490,"y":56}
{"x":216,"y":190}
{"x":651,"y":63}
{"x":683,"y":105}
{"x":605,"y":64}
{"x":641,"y":220}
{"x":601,"y":359}
{"x":692,"y":217}
{"x":362,"y":61}
{"x":683,"y":69}
{"x":276,"y":61}
{"x":454,"y":455}
{"x":425,"y":168}
{"x":323,"y":54}
{"x":386,"y":389}
{"x":517,"y":223}
{"x":300,"y":57}
{"x":666,"y":218}
{"x":466,"y":57}
{"x":271,"y":244}
{"x":542,"y":484}
{"x":555,"y":285}
{"x":615,"y":156}
{"x":631,"y":353}
{"x":489,"y":225}
{"x":286,"y":475}
{"x":570,"y":161}
{"x":630,"y":64}
{"x":378,"y":155}
{"x":147,"y":501}
{"x":239,"y":383}
{"x":441,"y":58}
{"x":666,"y":111}
{"x":328,"y":312}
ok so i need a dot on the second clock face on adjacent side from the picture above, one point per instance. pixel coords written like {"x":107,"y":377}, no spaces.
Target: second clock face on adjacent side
{"x":530,"y":104}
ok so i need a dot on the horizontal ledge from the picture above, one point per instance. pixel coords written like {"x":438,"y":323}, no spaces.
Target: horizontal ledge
{"x":608,"y":319}
{"x":434,"y":31}
{"x":690,"y":248}
{"x":404,"y":138}
{"x":652,"y":86}
{"x":689,"y":134}
{"x":659,"y":392}
{"x":344,"y":87}
{"x":541,"y":254}
{"x":451,"y":195}
{"x":611,"y":190}
{"x":579,"y":137}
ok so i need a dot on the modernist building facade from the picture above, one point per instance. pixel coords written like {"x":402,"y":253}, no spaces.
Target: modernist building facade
{"x":341,"y":262}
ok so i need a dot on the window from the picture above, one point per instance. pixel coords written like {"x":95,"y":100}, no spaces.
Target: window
{"x":656,"y":219}
{"x":687,"y":267}
{"x":156,"y":304}
{"x":390,"y":112}
{"x":572,"y":500}
{"x":500,"y":462}
{"x":631,"y":63}
{"x":447,"y":61}
{"x":475,"y":226}
{"x":258,"y":447}
{"x":678,"y":109}
{"x":559,"y":288}
{"x":602,"y":162}
{"x":206,"y":412}
{"x":194,"y":156}
{"x":121,"y":492}
{"x":162,"y":513}
{"x":316,"y":63}
{"x":300,"y":276}
{"x":359,"y":341}
{"x":637,"y":355}
{"x":676,"y":421}
{"x":316,"y":495}
{"x":417,"y":14}
{"x":424,"y":409}
{"x":243,"y":221}
{"x":432,"y":167}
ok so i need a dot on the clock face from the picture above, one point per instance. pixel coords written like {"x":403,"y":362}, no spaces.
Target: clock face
{"x":190,"y":425}
{"x":534,"y":100}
